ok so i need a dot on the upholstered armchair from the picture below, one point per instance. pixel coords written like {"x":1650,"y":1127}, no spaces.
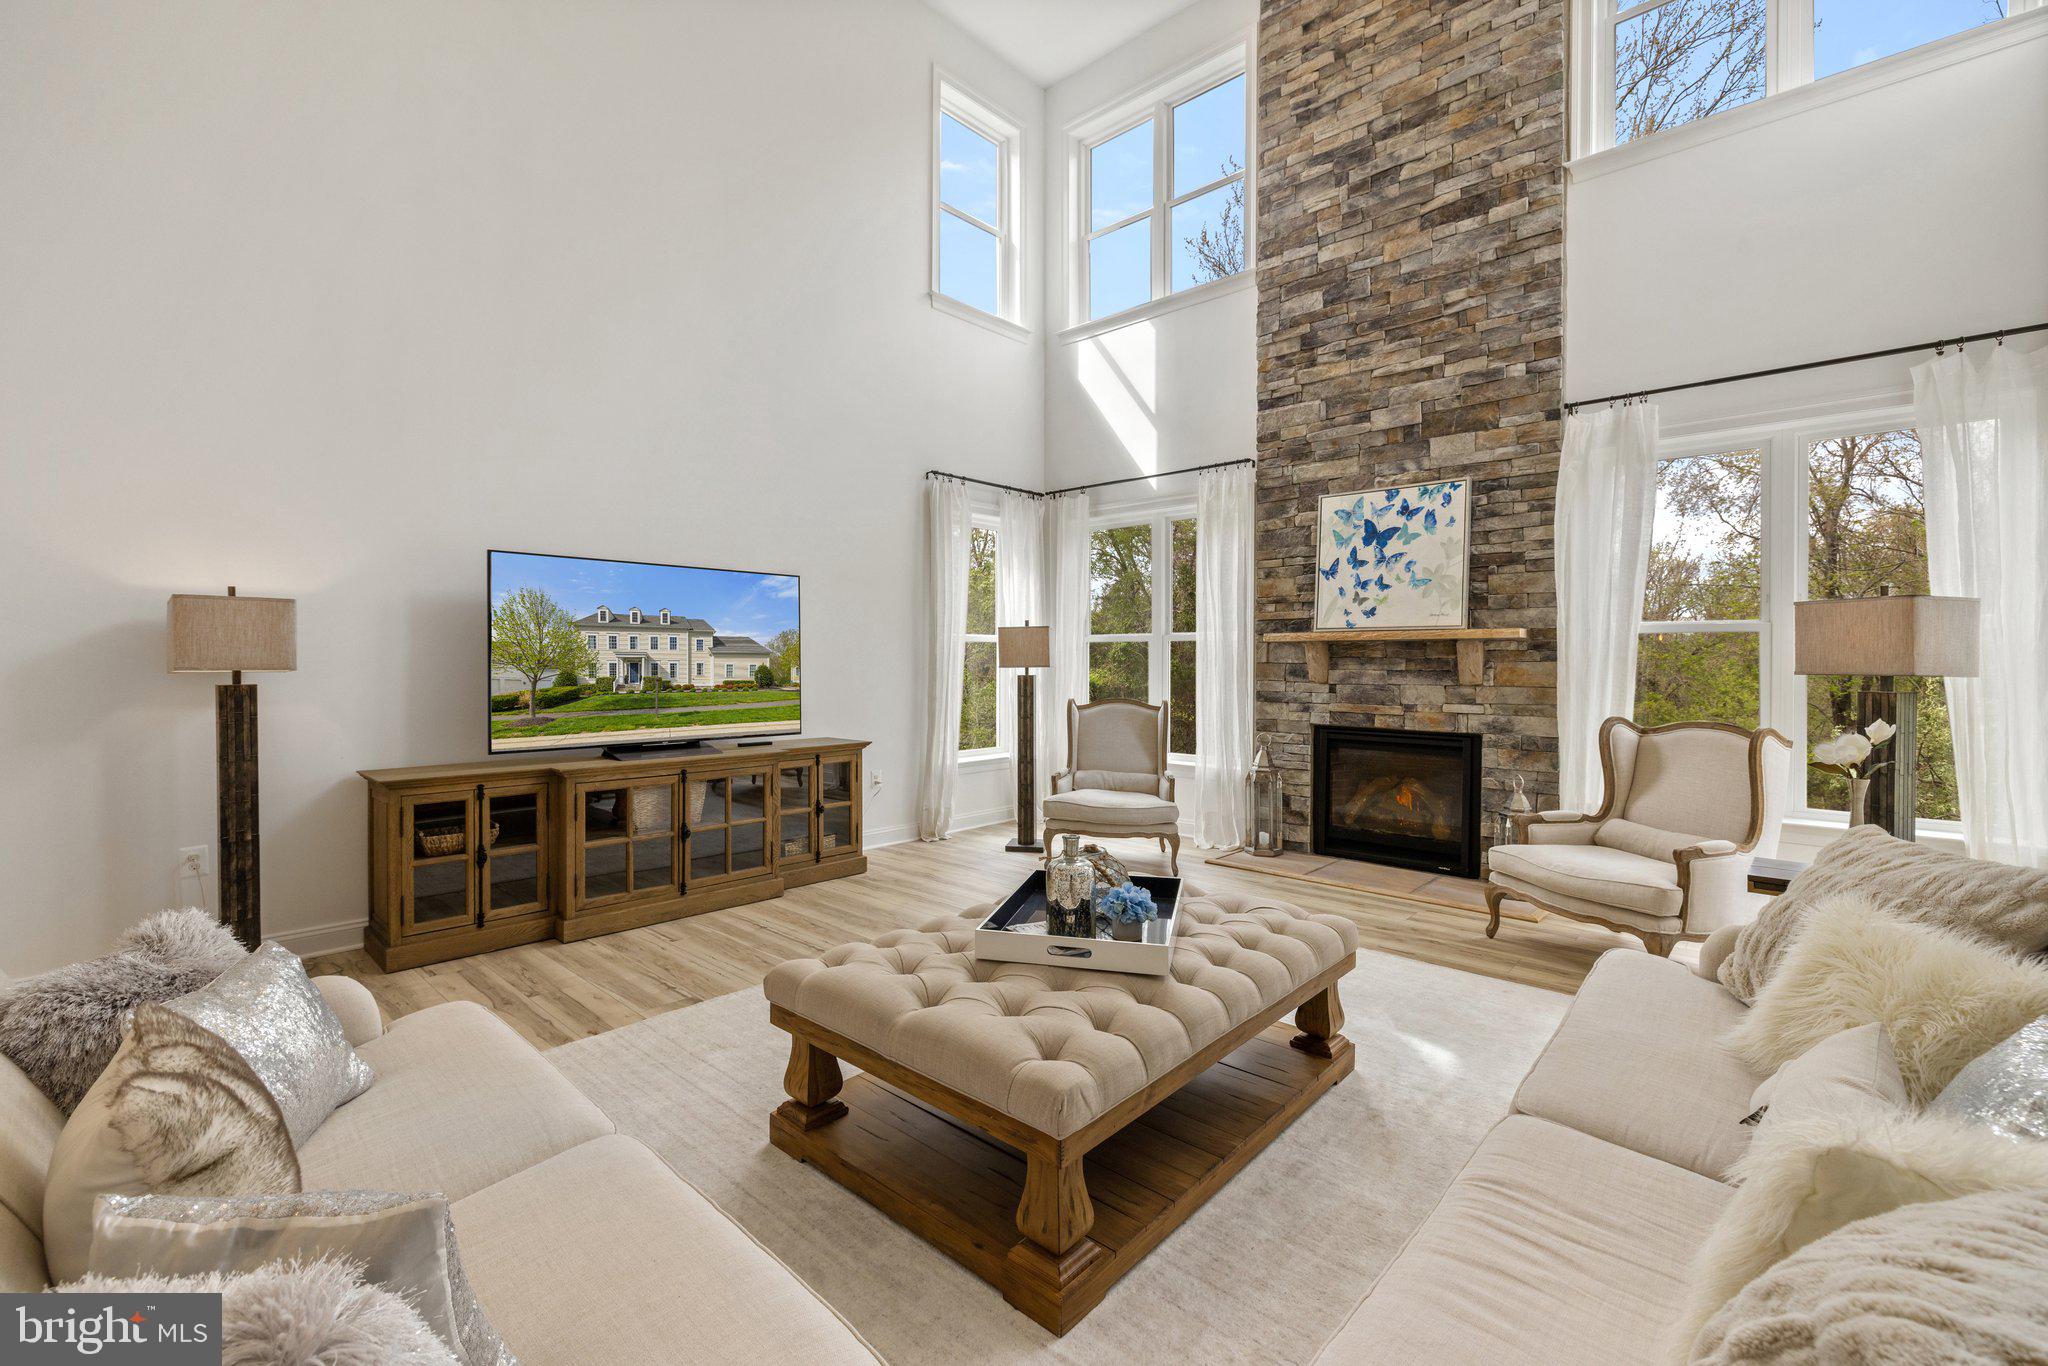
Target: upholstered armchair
{"x":1115,"y":785}
{"x":1666,"y":857}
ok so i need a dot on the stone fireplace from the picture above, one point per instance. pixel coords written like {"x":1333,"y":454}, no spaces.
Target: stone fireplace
{"x":1411,"y":309}
{"x":1400,"y":797}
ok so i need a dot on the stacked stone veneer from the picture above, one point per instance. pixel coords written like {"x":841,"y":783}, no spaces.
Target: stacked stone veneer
{"x":1411,"y":281}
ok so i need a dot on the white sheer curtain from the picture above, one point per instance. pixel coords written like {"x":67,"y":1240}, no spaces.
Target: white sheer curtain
{"x":1983,"y":427}
{"x":1606,"y":497}
{"x":946,"y":524}
{"x":1020,"y":600}
{"x":1223,"y":653}
{"x":1067,"y":613}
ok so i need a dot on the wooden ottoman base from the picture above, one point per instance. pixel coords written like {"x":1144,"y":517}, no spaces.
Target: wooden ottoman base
{"x":968,"y":1179}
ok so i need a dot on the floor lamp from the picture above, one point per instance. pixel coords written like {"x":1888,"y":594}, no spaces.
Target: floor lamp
{"x":233,"y":635}
{"x":1025,"y":647}
{"x":1887,"y":639}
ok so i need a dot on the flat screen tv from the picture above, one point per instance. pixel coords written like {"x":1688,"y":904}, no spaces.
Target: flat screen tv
{"x":628,"y":655}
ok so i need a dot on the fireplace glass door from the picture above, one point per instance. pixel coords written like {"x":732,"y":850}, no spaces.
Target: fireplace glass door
{"x":1407,"y":798}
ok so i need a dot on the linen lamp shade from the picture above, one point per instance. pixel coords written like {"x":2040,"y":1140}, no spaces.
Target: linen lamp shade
{"x":212,"y":634}
{"x":1905,"y":636}
{"x":1024,"y":647}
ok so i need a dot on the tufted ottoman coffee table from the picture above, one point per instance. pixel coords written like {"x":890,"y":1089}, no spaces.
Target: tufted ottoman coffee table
{"x":1102,"y":1108}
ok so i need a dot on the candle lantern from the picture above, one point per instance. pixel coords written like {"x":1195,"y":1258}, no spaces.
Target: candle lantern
{"x":1262,"y":799}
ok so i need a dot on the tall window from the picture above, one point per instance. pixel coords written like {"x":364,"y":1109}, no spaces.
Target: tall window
{"x":974,"y":206}
{"x":1663,"y":63}
{"x":1754,"y":522}
{"x":1141,"y":642}
{"x":1163,"y":192}
{"x":978,"y":673}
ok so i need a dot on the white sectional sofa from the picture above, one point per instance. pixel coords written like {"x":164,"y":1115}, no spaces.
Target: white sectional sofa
{"x":583,"y":1246}
{"x":1568,"y":1235}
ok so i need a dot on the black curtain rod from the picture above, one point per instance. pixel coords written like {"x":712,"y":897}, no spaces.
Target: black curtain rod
{"x":2001,"y":334}
{"x":1083,"y":488}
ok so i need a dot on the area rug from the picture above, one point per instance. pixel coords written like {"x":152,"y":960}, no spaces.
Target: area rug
{"x":1267,"y":1271}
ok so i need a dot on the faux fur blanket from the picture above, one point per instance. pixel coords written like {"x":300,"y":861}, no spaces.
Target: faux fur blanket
{"x":287,"y":1314}
{"x":63,"y":1027}
{"x":1949,"y":1281}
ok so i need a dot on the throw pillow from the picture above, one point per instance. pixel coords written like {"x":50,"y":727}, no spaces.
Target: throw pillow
{"x":1854,"y":1067}
{"x":1994,"y":901}
{"x":288,"y":1315}
{"x":2005,"y":1090}
{"x":270,"y":1012}
{"x":62,"y":1027}
{"x":403,"y":1243}
{"x":1807,"y":1177}
{"x":178,"y":1112}
{"x":1943,"y":997}
{"x":1948,"y":1280}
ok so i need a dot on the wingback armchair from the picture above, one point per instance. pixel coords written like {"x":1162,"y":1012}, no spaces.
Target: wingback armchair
{"x":1115,"y":784}
{"x":1666,"y":857}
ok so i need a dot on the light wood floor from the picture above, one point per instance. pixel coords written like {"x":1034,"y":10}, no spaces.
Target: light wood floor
{"x":554,"y":993}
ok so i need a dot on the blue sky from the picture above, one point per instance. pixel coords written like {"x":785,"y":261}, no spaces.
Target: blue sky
{"x":757,"y":605}
{"x":1849,"y":33}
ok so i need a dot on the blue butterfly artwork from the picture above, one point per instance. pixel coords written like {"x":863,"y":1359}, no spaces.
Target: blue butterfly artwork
{"x":1404,"y":547}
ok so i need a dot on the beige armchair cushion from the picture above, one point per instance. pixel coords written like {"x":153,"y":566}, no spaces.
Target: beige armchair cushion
{"x":1109,"y":780}
{"x":1110,"y":808}
{"x":1592,"y":873}
{"x":1690,"y":779}
{"x":1056,"y":1047}
{"x":1117,"y":737}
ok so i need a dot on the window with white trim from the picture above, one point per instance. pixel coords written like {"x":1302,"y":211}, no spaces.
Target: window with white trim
{"x":1162,"y":191}
{"x":611,"y":642}
{"x":975,"y":212}
{"x":1749,"y":522}
{"x":1659,"y":64}
{"x":978,"y":668}
{"x":1141,"y":623}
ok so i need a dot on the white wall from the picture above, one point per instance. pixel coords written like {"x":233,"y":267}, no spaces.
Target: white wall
{"x":1175,"y":390}
{"x":323,"y":299}
{"x":1899,"y":214}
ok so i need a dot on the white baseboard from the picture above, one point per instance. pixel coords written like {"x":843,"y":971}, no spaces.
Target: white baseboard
{"x":310,"y":943}
{"x":875,"y":836}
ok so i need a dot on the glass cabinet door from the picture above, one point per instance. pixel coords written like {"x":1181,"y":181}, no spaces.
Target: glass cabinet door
{"x":514,"y":856}
{"x":728,"y":822}
{"x":838,"y":832}
{"x":437,"y":889}
{"x":629,"y":839}
{"x":795,"y":795}
{"x":653,"y":818}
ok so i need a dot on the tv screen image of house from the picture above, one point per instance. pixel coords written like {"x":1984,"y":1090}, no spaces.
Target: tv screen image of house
{"x":587,"y":652}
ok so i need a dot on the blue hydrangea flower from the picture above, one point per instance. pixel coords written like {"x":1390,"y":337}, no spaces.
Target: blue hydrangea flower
{"x":1129,"y":904}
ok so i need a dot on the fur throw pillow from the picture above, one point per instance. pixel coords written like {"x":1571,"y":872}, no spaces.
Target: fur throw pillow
{"x":177,"y":1112}
{"x":1995,"y":901}
{"x":292,"y":1313}
{"x":62,"y":1027}
{"x":1942,"y":997}
{"x":1948,"y":1280}
{"x":1804,"y":1178}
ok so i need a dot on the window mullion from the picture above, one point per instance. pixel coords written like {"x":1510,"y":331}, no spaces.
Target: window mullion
{"x":1788,"y":45}
{"x":1162,"y":187}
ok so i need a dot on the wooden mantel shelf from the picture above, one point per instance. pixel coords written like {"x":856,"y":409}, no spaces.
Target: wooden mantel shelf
{"x":1471,"y":643}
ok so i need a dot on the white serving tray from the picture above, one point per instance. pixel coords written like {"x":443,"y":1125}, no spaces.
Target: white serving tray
{"x":1015,"y":933}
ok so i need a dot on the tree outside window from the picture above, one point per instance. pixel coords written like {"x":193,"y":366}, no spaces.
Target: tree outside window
{"x":978,"y":673}
{"x":1141,"y":644}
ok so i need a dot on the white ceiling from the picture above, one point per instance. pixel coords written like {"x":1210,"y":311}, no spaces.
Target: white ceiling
{"x":1049,"y":40}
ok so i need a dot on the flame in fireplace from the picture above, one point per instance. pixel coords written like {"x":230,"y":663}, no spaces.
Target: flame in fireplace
{"x":1406,"y":793}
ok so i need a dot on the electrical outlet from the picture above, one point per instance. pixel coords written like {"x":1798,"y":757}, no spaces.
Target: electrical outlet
{"x":193,"y":862}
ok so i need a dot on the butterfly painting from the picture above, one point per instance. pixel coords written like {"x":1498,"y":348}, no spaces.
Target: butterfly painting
{"x":1395,"y":558}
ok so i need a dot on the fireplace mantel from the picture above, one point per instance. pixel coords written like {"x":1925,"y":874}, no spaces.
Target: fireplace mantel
{"x":1471,"y":643}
